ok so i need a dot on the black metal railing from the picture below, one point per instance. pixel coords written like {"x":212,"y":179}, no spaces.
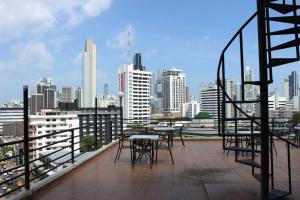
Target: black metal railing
{"x":32,"y":163}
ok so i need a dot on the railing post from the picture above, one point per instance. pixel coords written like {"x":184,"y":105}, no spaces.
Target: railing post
{"x":100,"y":131}
{"x":72,"y":146}
{"x":110,"y":130}
{"x":115,"y":126}
{"x":26,"y":138}
{"x":95,"y":125}
{"x":289,"y":167}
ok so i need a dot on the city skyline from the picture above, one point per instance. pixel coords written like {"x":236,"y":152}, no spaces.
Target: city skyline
{"x":55,"y":49}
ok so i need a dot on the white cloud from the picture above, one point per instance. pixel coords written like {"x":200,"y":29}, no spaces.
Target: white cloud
{"x":78,"y":59}
{"x":37,"y":17}
{"x":57,"y":42}
{"x":29,"y":56}
{"x":120,"y":41}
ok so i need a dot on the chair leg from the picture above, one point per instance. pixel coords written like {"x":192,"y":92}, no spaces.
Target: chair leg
{"x":118,"y":152}
{"x":182,"y":140}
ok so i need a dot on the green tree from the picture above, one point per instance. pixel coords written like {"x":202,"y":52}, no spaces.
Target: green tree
{"x":87,"y":143}
{"x":202,"y":115}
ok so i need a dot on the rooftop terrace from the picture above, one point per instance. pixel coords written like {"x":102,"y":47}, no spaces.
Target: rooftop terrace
{"x":201,"y":171}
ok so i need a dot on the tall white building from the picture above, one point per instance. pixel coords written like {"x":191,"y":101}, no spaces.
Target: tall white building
{"x":48,"y":121}
{"x":251,"y":91}
{"x":173,"y":91}
{"x":190,"y":109}
{"x":209,"y":99}
{"x":135,"y":84}
{"x":89,"y":73}
{"x":230,"y":91}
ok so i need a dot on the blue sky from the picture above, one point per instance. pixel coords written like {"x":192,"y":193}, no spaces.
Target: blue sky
{"x":45,"y":38}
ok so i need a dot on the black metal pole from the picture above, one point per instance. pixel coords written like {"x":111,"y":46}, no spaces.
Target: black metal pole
{"x":95,"y":125}
{"x":110,"y":130}
{"x":72,"y":146}
{"x":261,"y":26}
{"x":121,"y":117}
{"x":26,"y":138}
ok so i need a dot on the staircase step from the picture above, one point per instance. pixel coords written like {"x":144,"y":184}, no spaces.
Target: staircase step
{"x":241,"y":149}
{"x":249,"y":162}
{"x":286,"y":31}
{"x":288,"y":19}
{"x":252,"y":82}
{"x":278,"y":194}
{"x":258,"y":176}
{"x":289,"y":44}
{"x":281,"y":61}
{"x":283,"y":8}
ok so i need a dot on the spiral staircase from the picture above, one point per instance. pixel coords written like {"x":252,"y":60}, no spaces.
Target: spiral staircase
{"x":270,"y":14}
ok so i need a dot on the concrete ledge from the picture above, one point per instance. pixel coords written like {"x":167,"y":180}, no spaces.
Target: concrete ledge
{"x":43,"y":183}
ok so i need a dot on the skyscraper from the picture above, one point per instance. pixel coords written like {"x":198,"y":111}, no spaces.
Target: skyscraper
{"x":250,"y":91}
{"x":66,"y":95}
{"x":105,"y":89}
{"x":137,"y":62}
{"x":78,"y":97}
{"x":285,"y":88}
{"x":46,"y":87}
{"x":89,"y":73}
{"x":293,"y":85}
{"x":36,"y":103}
{"x":173,"y":91}
{"x":135,"y":84}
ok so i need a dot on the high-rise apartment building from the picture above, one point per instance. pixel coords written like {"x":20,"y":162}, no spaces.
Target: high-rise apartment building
{"x":49,"y":121}
{"x":293,"y":85}
{"x":89,"y":73}
{"x":173,"y":91}
{"x":135,"y":84}
{"x":209,"y":99}
{"x":66,"y":94}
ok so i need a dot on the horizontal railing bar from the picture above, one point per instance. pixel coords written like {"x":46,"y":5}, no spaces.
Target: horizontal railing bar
{"x":15,"y":177}
{"x":11,"y":143}
{"x":48,"y":170}
{"x":10,"y":169}
{"x":36,"y":149}
{"x":13,"y":190}
{"x":31,"y":161}
{"x":11,"y":157}
{"x":50,"y":162}
{"x":57,"y":132}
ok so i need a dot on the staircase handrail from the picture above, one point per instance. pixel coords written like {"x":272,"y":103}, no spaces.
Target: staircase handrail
{"x":220,"y":64}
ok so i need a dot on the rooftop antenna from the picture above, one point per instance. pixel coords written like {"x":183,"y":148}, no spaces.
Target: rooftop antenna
{"x":128,"y":53}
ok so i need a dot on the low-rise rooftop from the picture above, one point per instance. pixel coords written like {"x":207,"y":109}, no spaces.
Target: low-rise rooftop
{"x":201,"y":171}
